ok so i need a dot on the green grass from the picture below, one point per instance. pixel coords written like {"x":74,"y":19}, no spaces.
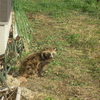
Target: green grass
{"x":60,"y":8}
{"x":72,"y":39}
{"x":49,"y":98}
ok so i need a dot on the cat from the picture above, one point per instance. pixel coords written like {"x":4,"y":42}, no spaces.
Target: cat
{"x":34,"y":63}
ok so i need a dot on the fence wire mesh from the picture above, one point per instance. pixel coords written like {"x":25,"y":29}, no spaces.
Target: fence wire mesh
{"x":20,"y":31}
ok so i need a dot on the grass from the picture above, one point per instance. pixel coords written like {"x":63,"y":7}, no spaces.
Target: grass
{"x":73,"y":26}
{"x":60,"y":8}
{"x":49,"y":98}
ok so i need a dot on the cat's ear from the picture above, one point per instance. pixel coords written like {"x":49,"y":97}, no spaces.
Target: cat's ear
{"x":46,"y":48}
{"x":55,"y":48}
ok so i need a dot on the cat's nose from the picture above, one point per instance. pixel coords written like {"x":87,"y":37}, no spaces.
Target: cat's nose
{"x":51,"y":56}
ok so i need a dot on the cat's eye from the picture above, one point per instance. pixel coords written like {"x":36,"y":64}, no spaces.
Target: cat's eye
{"x":53,"y":54}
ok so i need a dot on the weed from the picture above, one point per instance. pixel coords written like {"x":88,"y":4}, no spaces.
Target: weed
{"x":72,"y":39}
{"x":75,"y":98}
{"x":77,"y":84}
{"x":49,"y":98}
{"x":14,"y":68}
{"x":93,"y":66}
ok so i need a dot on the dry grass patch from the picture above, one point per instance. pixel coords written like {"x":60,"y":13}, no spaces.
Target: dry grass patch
{"x":74,"y":73}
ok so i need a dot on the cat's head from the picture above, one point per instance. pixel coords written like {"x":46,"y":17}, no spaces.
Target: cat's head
{"x":48,"y":53}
